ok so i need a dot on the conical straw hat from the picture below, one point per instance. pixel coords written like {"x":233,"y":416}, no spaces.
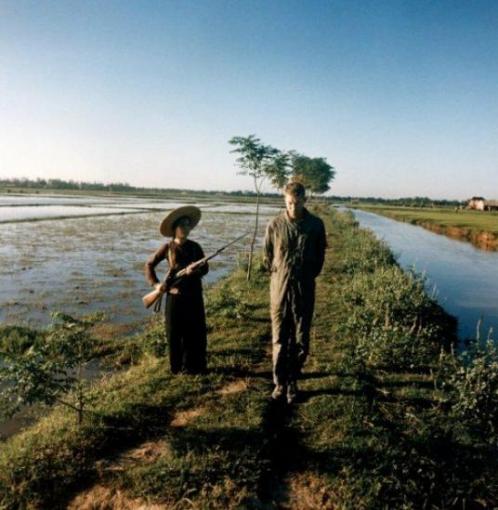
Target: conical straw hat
{"x":192,"y":212}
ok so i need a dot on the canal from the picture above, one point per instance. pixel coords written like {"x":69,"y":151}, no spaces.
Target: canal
{"x":463,"y":278}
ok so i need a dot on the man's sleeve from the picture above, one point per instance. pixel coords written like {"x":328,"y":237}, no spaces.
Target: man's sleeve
{"x":321,"y":246}
{"x":152,"y":261}
{"x":268,"y":248}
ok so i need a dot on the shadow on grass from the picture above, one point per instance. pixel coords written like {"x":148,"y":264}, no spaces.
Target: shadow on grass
{"x":306,"y":395}
{"x":406,"y":384}
{"x":242,"y":372}
{"x":111,"y":437}
{"x":108,"y":437}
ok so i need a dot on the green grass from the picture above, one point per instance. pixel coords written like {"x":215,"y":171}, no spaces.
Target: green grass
{"x":471,"y":222}
{"x":375,"y":426}
{"x":43,"y":465}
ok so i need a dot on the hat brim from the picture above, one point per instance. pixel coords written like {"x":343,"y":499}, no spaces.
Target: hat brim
{"x":192,"y":212}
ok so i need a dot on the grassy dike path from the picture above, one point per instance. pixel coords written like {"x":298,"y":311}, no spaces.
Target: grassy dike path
{"x":382,"y":421}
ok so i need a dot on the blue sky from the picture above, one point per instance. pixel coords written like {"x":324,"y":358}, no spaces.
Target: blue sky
{"x":400,"y":96}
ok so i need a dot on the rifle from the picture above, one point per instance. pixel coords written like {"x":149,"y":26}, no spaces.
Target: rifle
{"x":155,"y":296}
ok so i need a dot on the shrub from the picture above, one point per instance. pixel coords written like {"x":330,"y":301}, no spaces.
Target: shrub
{"x":471,"y":382}
{"x":227,"y":302}
{"x":393,"y":321}
{"x":50,"y":367}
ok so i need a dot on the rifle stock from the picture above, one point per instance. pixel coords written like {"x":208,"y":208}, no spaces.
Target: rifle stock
{"x":150,"y":298}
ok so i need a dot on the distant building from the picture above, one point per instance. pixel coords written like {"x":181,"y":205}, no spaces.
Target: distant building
{"x":491,"y":205}
{"x":476,"y":203}
{"x":481,"y":204}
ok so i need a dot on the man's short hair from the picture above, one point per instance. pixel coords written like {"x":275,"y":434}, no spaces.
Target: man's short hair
{"x":295,"y":188}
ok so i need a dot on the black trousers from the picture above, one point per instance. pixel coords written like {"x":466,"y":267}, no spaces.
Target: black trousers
{"x":186,"y":332}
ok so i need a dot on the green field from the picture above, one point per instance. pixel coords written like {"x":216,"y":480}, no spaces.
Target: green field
{"x":387,"y":419}
{"x":471,"y":223}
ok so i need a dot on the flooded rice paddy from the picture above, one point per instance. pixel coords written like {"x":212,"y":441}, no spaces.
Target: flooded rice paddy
{"x":81,"y":255}
{"x":80,"y":265}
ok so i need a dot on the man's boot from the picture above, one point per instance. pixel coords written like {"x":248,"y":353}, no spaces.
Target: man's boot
{"x":292,"y":392}
{"x":278,"y":392}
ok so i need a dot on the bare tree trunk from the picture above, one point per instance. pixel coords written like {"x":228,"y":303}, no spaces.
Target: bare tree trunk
{"x":253,"y":240}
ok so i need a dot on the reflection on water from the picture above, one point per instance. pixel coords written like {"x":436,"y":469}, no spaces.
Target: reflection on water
{"x":96,"y":264}
{"x":54,"y":211}
{"x":465,"y":278}
{"x":17,"y":208}
{"x":81,"y":265}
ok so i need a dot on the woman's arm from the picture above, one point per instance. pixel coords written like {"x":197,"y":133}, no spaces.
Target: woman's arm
{"x":152,"y":261}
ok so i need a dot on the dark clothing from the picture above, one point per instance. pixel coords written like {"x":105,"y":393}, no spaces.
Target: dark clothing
{"x":185,"y":254}
{"x":294,"y":254}
{"x":186,"y":333}
{"x":184,"y":311}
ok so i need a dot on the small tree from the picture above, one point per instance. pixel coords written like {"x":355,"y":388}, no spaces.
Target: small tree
{"x":260,"y":162}
{"x":314,"y":173}
{"x":277,"y":169}
{"x":49,"y":368}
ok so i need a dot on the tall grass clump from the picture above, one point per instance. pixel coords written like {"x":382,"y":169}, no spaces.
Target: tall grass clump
{"x":470,"y":385}
{"x":392,"y":320}
{"x":361,"y":251}
{"x":15,"y":340}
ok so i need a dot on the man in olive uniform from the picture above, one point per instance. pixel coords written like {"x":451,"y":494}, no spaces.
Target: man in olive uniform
{"x":294,"y":251}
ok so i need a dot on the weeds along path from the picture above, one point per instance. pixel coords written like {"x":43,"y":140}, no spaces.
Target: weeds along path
{"x":370,"y":430}
{"x":152,"y":438}
{"x":373,"y":429}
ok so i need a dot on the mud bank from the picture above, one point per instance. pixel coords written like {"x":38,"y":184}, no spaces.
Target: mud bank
{"x":483,"y":240}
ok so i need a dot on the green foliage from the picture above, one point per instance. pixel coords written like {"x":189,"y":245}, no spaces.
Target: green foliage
{"x":64,"y":185}
{"x":470,"y":382}
{"x":277,"y":169}
{"x":152,"y":341}
{"x":17,"y":339}
{"x":214,"y":460}
{"x":314,"y":173}
{"x":362,"y":252}
{"x":50,"y":367}
{"x":381,"y":437}
{"x":228,"y":302}
{"x":261,"y":161}
{"x":392,"y":319}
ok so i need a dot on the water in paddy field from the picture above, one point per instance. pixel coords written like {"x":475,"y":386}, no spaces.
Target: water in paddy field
{"x":87,"y":264}
{"x":51,"y":260}
{"x":465,"y":277}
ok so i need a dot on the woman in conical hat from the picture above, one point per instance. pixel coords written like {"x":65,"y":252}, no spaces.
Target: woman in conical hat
{"x":184,"y":310}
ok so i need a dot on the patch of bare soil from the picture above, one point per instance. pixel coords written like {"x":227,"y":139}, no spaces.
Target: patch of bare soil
{"x":233,"y":387}
{"x":100,"y":497}
{"x":145,"y":453}
{"x":307,"y":491}
{"x":183,"y":418}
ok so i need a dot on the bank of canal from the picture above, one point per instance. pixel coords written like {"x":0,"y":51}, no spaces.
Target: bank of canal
{"x":373,"y":428}
{"x":464,"y":277}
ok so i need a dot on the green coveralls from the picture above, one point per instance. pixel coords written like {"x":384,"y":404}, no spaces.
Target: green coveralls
{"x":294,"y":252}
